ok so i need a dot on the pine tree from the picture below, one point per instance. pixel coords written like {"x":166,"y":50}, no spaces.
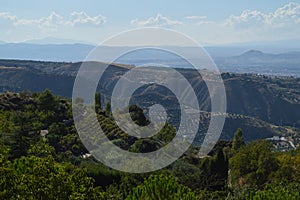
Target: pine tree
{"x":97,"y":102}
{"x":108,"y":109}
{"x":238,"y":140}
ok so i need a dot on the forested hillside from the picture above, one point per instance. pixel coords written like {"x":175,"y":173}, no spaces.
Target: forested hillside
{"x":42,"y":157}
{"x":263,"y":106}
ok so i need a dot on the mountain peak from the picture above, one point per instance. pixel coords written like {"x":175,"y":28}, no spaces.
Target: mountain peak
{"x":253,"y":53}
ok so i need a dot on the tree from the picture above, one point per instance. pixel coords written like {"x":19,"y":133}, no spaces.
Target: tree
{"x":6,"y":126}
{"x":47,"y":103}
{"x":41,"y":149}
{"x":238,"y":140}
{"x":107,"y":109}
{"x":252,"y":164}
{"x":98,"y":102}
{"x":289,"y":166}
{"x":219,"y":169}
{"x":44,"y":178}
{"x":280,"y":191}
{"x":23,"y":125}
{"x":72,"y":142}
{"x":7,"y":175}
{"x":161,"y":187}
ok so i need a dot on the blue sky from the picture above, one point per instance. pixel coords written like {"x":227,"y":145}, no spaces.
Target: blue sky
{"x":208,"y":21}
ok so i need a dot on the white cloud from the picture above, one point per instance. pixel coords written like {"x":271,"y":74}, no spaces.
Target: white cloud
{"x":199,"y":20}
{"x":6,"y":20}
{"x":248,"y":16}
{"x":81,"y":18}
{"x":54,"y":20}
{"x":204,"y":22}
{"x":50,"y":22}
{"x":284,"y":16}
{"x":8,"y":16}
{"x":196,"y":17}
{"x":290,"y":10}
{"x":159,"y":20}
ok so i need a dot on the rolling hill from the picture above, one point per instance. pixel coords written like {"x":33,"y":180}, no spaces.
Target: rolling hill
{"x":263,"y":106}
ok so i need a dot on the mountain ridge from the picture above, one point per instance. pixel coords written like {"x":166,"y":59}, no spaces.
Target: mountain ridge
{"x":273,"y":101}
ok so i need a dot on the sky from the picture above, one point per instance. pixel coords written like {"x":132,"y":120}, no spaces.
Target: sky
{"x":212,"y":22}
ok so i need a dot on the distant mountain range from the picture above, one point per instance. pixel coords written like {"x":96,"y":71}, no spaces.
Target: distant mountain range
{"x":45,"y":52}
{"x":253,"y":61}
{"x":280,"y":59}
{"x":53,"y":40}
{"x":258,"y":58}
{"x":271,"y":46}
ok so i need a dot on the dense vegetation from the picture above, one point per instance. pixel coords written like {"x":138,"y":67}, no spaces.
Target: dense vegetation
{"x":37,"y":164}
